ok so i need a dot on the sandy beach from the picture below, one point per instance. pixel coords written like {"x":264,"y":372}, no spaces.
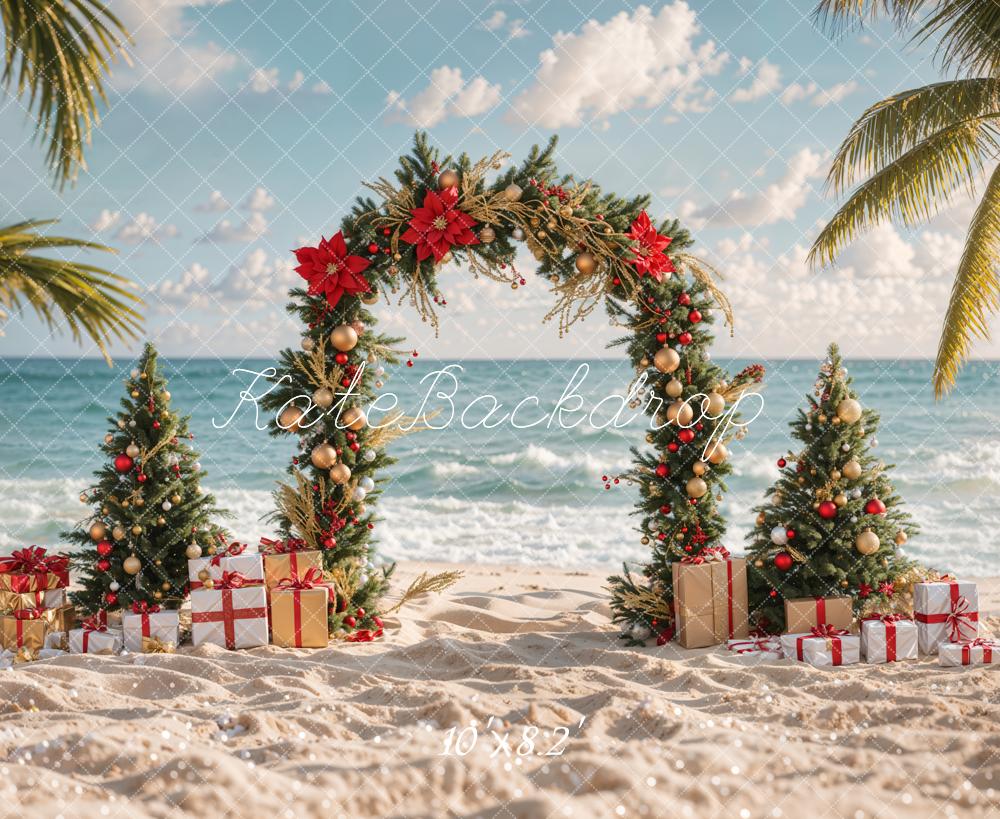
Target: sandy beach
{"x":363,"y":730}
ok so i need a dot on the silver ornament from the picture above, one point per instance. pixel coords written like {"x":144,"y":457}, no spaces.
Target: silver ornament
{"x":368,"y":455}
{"x":114,"y":586}
{"x":518,"y":234}
{"x":166,"y":506}
{"x":366,"y":483}
{"x":135,"y":372}
{"x":359,"y":494}
{"x":873,"y":442}
{"x":779,"y":536}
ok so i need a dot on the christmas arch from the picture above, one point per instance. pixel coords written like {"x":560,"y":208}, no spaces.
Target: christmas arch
{"x":593,"y":248}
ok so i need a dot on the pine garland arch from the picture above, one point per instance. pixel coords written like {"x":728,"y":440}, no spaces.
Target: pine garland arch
{"x":594,"y":248}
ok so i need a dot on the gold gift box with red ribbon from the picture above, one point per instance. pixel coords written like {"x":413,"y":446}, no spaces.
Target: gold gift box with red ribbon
{"x":802,"y":613}
{"x":31,"y":569}
{"x":299,"y":609}
{"x":710,"y":598}
{"x":288,"y":558}
{"x":23,"y":629}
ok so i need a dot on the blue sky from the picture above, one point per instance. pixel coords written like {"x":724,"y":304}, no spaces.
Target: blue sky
{"x":245,"y":129}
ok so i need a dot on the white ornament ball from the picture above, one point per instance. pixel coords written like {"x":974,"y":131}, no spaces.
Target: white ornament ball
{"x":114,"y":586}
{"x":359,"y":494}
{"x":639,"y":632}
{"x":518,"y":234}
{"x":367,"y":484}
{"x":166,"y":506}
{"x":368,"y":455}
{"x":135,"y":372}
{"x":308,"y":344}
{"x":874,"y":442}
{"x":779,"y":536}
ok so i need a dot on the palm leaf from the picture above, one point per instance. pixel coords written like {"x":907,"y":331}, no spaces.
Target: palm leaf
{"x":840,"y":15}
{"x":91,"y":301}
{"x":895,"y":125}
{"x":976,"y":291}
{"x":910,"y":189}
{"x":55,"y":57}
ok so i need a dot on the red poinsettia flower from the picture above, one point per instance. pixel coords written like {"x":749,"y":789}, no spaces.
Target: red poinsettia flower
{"x":864,"y":590}
{"x":649,"y":256}
{"x":329,"y":270}
{"x":887,"y":588}
{"x":439,"y":225}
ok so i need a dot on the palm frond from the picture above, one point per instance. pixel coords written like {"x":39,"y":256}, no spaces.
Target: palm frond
{"x":90,"y":300}
{"x":969,"y":32}
{"x":893,"y":126}
{"x":841,"y":15}
{"x":975,"y":294}
{"x":55,"y":57}
{"x":911,"y":189}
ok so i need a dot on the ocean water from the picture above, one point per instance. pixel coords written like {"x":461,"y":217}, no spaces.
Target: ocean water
{"x":506,"y":494}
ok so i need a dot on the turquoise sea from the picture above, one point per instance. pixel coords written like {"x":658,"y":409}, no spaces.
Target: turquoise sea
{"x":504,"y":494}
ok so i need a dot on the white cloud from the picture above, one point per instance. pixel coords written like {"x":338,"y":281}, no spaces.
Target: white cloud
{"x":144,"y":228}
{"x":632,"y":60}
{"x":447,"y":95}
{"x":263,"y":80}
{"x":216,"y":203}
{"x":819,"y":97}
{"x":248,"y":285}
{"x":188,"y":290}
{"x":244,"y":232}
{"x":258,"y":199}
{"x":766,"y":81}
{"x":165,"y":55}
{"x":797,"y":91}
{"x":495,"y":21}
{"x":322,"y":87}
{"x":516,"y":29}
{"x":779,"y":201}
{"x":106,"y":220}
{"x":295,"y":83}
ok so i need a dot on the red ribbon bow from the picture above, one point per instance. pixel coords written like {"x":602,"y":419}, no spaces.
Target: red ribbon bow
{"x":32,"y":560}
{"x":93,"y":623}
{"x":961,"y":617}
{"x":710,"y":554}
{"x":291,"y":544}
{"x":886,"y":618}
{"x":143,"y":607}
{"x":827,"y":630}
{"x":311,"y":579}
{"x":983,"y":642}
{"x":232,"y":550}
{"x":231,"y":580}
{"x":28,"y":614}
{"x":363,"y":635}
{"x":755,"y":644}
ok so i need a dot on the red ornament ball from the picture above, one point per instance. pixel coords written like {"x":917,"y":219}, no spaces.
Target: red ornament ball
{"x":340,"y":358}
{"x":103,"y":565}
{"x":661,"y":338}
{"x":773,"y":593}
{"x":782,"y":463}
{"x":665,"y":509}
{"x":672,"y":446}
{"x":123,"y":463}
{"x":684,"y":299}
{"x":875,"y":507}
{"x":790,"y":534}
{"x":783,"y":561}
{"x":156,"y":424}
{"x":142,"y":477}
{"x":662,"y":471}
{"x":828,"y":510}
{"x":350,"y":622}
{"x":329,"y":542}
{"x":694,"y":316}
{"x":360,"y":613}
{"x":684,"y":339}
{"x":111,"y":598}
{"x":686,"y":435}
{"x":104,"y":548}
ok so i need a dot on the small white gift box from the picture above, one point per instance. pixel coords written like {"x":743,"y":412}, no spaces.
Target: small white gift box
{"x":756,"y":648}
{"x":978,"y":652}
{"x":946,"y":611}
{"x":57,"y":639}
{"x":163,"y":625}
{"x":821,"y":649}
{"x":250,"y":564}
{"x":230,"y":617}
{"x":92,"y":641}
{"x":886,"y":640}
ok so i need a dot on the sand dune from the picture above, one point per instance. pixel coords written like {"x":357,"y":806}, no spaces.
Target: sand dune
{"x":361,"y":730}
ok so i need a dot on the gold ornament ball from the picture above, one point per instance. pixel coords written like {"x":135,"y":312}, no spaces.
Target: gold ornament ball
{"x":193,"y":551}
{"x":586,"y":263}
{"x":666,"y":360}
{"x":835,"y":420}
{"x":125,"y":504}
{"x":140,"y":502}
{"x":513,"y":192}
{"x":118,"y":533}
{"x":175,"y":498}
{"x":901,"y":537}
{"x":699,"y":468}
{"x":649,"y":438}
{"x":109,"y":438}
{"x":208,"y":583}
{"x":132,"y":450}
{"x":696,"y":488}
{"x":680,"y":413}
{"x":840,"y":500}
{"x":98,"y":531}
{"x":204,"y":576}
{"x":161,"y":520}
{"x":714,"y":404}
{"x":487,"y":235}
{"x":323,"y":456}
{"x":835,"y":475}
{"x":135,"y":393}
{"x":851,"y":470}
{"x":644,"y":540}
{"x":344,"y":338}
{"x":718,"y":454}
{"x":674,"y":388}
{"x":83,"y":498}
{"x":822,"y":418}
{"x":165,"y":395}
{"x":844,"y":584}
{"x":354,"y":419}
{"x":323,"y":398}
{"x":289,"y":418}
{"x":340,"y":474}
{"x":157,"y":595}
{"x":849,"y":410}
{"x":132,"y":565}
{"x":867,"y":542}
{"x":759,"y":564}
{"x":371,"y":297}
{"x":760,"y":518}
{"x":448,"y":179}
{"x":165,"y":586}
{"x":137,"y":530}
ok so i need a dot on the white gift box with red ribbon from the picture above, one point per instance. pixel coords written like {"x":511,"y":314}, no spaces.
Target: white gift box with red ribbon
{"x":888,"y":638}
{"x":248,"y":563}
{"x":230,"y":617}
{"x":977,"y":652}
{"x":946,"y":611}
{"x":756,"y":648}
{"x":95,"y":640}
{"x":823,"y":646}
{"x":163,"y":625}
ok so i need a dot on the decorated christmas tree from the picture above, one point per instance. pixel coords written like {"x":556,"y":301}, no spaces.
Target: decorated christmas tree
{"x":833,"y":525}
{"x":692,"y":422}
{"x":150,"y":514}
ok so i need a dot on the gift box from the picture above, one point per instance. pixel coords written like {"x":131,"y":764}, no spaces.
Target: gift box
{"x":25,"y":628}
{"x":93,"y":637}
{"x":288,"y":558}
{"x":57,"y":639}
{"x":824,"y":645}
{"x":41,"y":599}
{"x":757,"y":648}
{"x":231,"y":614}
{"x":146,"y":621}
{"x":299,"y":612}
{"x":238,"y":558}
{"x":710,"y":598}
{"x":802,"y":613}
{"x":30,"y":569}
{"x":888,"y":638}
{"x":62,"y":618}
{"x":977,"y":652}
{"x":946,"y":610}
